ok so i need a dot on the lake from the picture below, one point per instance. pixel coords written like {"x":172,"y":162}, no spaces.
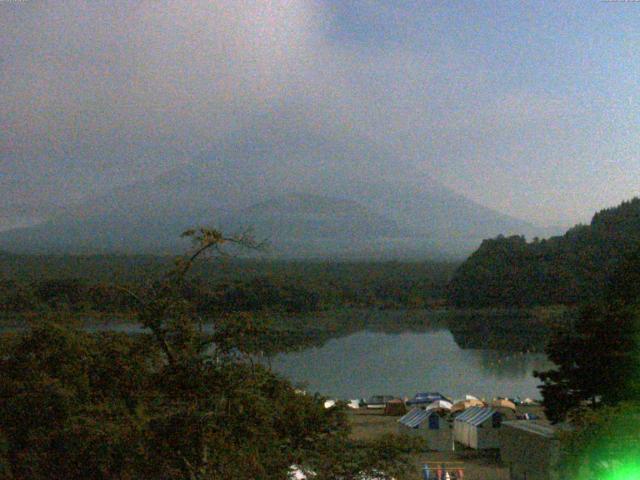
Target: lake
{"x":431,"y":358}
{"x":359,"y":353}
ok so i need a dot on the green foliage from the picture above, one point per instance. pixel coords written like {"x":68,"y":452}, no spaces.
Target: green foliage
{"x":172,"y":403}
{"x":596,"y":383}
{"x":571,"y":269}
{"x":597,"y":359}
{"x":597,"y":356}
{"x":61,"y":395}
{"x":384,"y":458}
{"x":237,"y":284}
{"x":602,"y":444}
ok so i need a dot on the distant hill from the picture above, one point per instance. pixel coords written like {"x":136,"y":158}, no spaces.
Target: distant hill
{"x":574,"y":267}
{"x":328,"y":209}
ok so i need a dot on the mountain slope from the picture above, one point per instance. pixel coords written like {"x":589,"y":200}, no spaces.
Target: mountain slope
{"x":304,"y":216}
{"x":307,"y":195}
{"x":427,"y":208}
{"x":574,"y":267}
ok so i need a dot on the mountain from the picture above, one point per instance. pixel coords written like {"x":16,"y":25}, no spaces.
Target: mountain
{"x":428,"y":209}
{"x":305,"y":217}
{"x":575,"y":267}
{"x":307,"y":196}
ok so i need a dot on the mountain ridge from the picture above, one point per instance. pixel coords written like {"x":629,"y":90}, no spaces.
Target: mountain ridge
{"x":233,"y":187}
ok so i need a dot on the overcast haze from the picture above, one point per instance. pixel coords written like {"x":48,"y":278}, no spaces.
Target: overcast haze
{"x":526,"y":108}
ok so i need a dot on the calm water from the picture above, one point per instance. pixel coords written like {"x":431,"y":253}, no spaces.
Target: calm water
{"x":404,"y":352}
{"x":367,"y":363}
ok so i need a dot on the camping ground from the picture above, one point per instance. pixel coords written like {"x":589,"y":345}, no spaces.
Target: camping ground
{"x":370,"y":424}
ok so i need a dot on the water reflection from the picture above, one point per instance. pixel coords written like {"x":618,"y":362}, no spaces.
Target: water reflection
{"x":503,"y":364}
{"x":354,"y":353}
{"x":367,"y":362}
{"x":515,"y":331}
{"x":401,"y":353}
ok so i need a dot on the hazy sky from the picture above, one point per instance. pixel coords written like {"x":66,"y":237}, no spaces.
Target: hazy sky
{"x":531,"y":108}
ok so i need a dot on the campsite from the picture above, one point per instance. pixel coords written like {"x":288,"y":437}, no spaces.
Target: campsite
{"x":484,"y":463}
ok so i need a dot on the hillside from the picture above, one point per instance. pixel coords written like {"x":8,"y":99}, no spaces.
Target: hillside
{"x":577,"y":266}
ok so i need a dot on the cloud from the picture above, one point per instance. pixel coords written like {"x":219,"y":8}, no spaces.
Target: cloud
{"x":103,"y":86}
{"x":170,"y":74}
{"x":100,"y":93}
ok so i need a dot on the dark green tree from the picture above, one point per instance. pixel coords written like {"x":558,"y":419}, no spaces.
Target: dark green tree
{"x":602,"y":444}
{"x":597,"y":356}
{"x":596,"y":361}
{"x":570,"y":269}
{"x":177,"y":402}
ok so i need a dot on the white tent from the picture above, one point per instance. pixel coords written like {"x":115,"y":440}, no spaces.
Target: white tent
{"x":329,"y":403}
{"x":442,"y":404}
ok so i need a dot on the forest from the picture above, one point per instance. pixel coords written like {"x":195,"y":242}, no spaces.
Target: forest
{"x":100,"y":284}
{"x":570,"y":269}
{"x":504,"y":272}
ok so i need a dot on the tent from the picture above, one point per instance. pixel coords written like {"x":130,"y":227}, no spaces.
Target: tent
{"x":478,"y":428}
{"x":395,"y":407}
{"x":503,"y":405}
{"x":464,"y":404}
{"x":329,"y":403}
{"x":440,"y":405}
{"x":434,"y":427}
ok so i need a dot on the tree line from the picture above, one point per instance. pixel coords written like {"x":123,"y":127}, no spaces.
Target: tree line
{"x":80,"y":296}
{"x":240,"y":285}
{"x":593,"y":390}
